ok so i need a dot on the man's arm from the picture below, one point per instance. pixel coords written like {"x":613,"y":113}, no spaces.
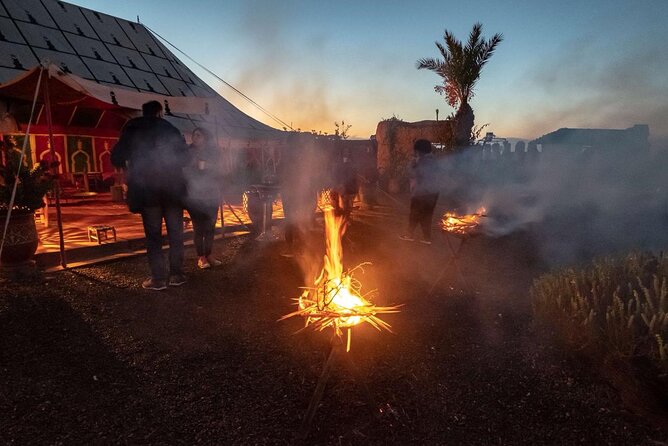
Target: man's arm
{"x":122,"y":151}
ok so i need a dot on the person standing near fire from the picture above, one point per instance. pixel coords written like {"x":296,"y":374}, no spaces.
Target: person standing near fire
{"x":424,"y":191}
{"x":346,"y":185}
{"x":204,"y":179}
{"x":153,"y":153}
{"x":297,"y":173}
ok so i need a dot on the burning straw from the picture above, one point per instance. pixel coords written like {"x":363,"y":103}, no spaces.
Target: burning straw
{"x":462,"y":225}
{"x":336,"y":299}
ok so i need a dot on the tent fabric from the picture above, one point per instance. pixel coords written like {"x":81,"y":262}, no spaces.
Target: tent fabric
{"x":105,"y":62}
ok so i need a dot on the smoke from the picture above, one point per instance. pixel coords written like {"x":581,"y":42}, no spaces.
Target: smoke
{"x":574,"y":205}
{"x":302,"y":100}
{"x":596,"y":90}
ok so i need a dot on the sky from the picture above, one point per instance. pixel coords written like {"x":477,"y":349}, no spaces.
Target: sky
{"x":566,"y":63}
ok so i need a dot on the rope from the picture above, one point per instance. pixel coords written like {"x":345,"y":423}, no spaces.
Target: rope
{"x":264,"y":110}
{"x":23,"y":152}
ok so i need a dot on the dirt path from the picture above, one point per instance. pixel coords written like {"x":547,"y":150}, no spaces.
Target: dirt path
{"x":92,"y":358}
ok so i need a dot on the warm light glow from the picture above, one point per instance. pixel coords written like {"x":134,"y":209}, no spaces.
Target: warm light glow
{"x":462,"y":224}
{"x":336,"y":300}
{"x":326,"y":200}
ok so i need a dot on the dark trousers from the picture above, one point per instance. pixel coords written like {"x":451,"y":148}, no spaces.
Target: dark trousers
{"x":422,"y":211}
{"x":204,"y":226}
{"x":298,"y":212}
{"x":152,"y":218}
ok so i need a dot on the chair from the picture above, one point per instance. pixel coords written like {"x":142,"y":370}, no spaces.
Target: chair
{"x":100,"y":233}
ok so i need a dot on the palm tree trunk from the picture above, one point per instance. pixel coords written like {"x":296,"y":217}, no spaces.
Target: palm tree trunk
{"x":464,"y":121}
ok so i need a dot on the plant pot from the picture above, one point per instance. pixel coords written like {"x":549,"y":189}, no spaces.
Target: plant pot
{"x":21,"y":239}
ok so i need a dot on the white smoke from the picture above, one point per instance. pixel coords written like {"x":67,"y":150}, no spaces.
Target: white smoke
{"x":574,"y":205}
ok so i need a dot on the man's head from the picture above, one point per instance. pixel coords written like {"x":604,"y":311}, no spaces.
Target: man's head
{"x":422,"y":147}
{"x":152,"y":109}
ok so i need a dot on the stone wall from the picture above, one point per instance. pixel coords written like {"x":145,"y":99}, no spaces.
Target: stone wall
{"x":395,"y":140}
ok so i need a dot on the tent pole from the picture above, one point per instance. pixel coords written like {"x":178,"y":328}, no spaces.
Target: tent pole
{"x":221,"y":202}
{"x":59,"y":217}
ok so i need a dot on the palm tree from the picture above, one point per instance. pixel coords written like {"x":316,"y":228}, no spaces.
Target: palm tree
{"x":460,"y":69}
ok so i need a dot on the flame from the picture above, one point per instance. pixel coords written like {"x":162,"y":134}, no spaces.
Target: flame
{"x":335,"y":300}
{"x":462,"y":224}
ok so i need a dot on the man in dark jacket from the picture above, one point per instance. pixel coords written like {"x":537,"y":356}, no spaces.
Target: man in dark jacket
{"x":153,"y":153}
{"x":424,"y":192}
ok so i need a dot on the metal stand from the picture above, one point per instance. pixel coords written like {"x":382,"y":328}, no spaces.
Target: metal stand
{"x":454,"y":261}
{"x":338,"y":350}
{"x":267,"y":195}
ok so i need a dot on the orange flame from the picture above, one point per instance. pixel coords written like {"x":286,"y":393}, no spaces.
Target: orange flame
{"x":336,"y":300}
{"x":462,"y":224}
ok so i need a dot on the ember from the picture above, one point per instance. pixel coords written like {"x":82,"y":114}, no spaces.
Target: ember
{"x":467,"y":224}
{"x":336,"y":300}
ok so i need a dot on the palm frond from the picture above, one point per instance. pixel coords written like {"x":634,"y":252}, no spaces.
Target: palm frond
{"x":429,"y":64}
{"x":461,"y":65}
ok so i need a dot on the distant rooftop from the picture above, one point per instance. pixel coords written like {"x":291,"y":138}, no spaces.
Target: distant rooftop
{"x":632,"y":136}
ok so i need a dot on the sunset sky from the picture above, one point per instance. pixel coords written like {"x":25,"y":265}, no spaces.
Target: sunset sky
{"x":567,"y":63}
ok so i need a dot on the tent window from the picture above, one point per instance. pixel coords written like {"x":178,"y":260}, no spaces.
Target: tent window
{"x":86,"y":117}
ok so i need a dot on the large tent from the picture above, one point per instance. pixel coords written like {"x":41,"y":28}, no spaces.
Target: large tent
{"x":101,"y":69}
{"x":71,"y":77}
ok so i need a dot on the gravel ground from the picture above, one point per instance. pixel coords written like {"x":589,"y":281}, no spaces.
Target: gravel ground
{"x":88,"y":357}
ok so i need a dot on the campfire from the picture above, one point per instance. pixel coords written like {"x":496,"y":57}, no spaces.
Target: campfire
{"x":336,"y":299}
{"x":462,"y":225}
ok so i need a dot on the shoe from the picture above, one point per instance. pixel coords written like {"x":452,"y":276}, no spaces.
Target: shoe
{"x":156,"y":285}
{"x":425,"y":242}
{"x":407,"y":238}
{"x":177,"y":280}
{"x":203,"y":263}
{"x":214,"y":261}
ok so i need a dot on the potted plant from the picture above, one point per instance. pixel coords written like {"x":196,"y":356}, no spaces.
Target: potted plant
{"x":20,"y":241}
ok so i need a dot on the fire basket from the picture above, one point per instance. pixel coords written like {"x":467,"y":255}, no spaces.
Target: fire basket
{"x":335,"y":300}
{"x":462,"y":227}
{"x":266,"y":193}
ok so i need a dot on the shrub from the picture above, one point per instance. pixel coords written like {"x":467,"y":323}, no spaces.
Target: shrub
{"x":32,"y":184}
{"x":617,"y":306}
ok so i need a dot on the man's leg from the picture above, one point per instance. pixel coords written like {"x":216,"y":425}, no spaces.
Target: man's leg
{"x":152,"y":220}
{"x":208,"y":230}
{"x":414,"y":215}
{"x":174,"y":222}
{"x":198,"y":222}
{"x":428,"y":203}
